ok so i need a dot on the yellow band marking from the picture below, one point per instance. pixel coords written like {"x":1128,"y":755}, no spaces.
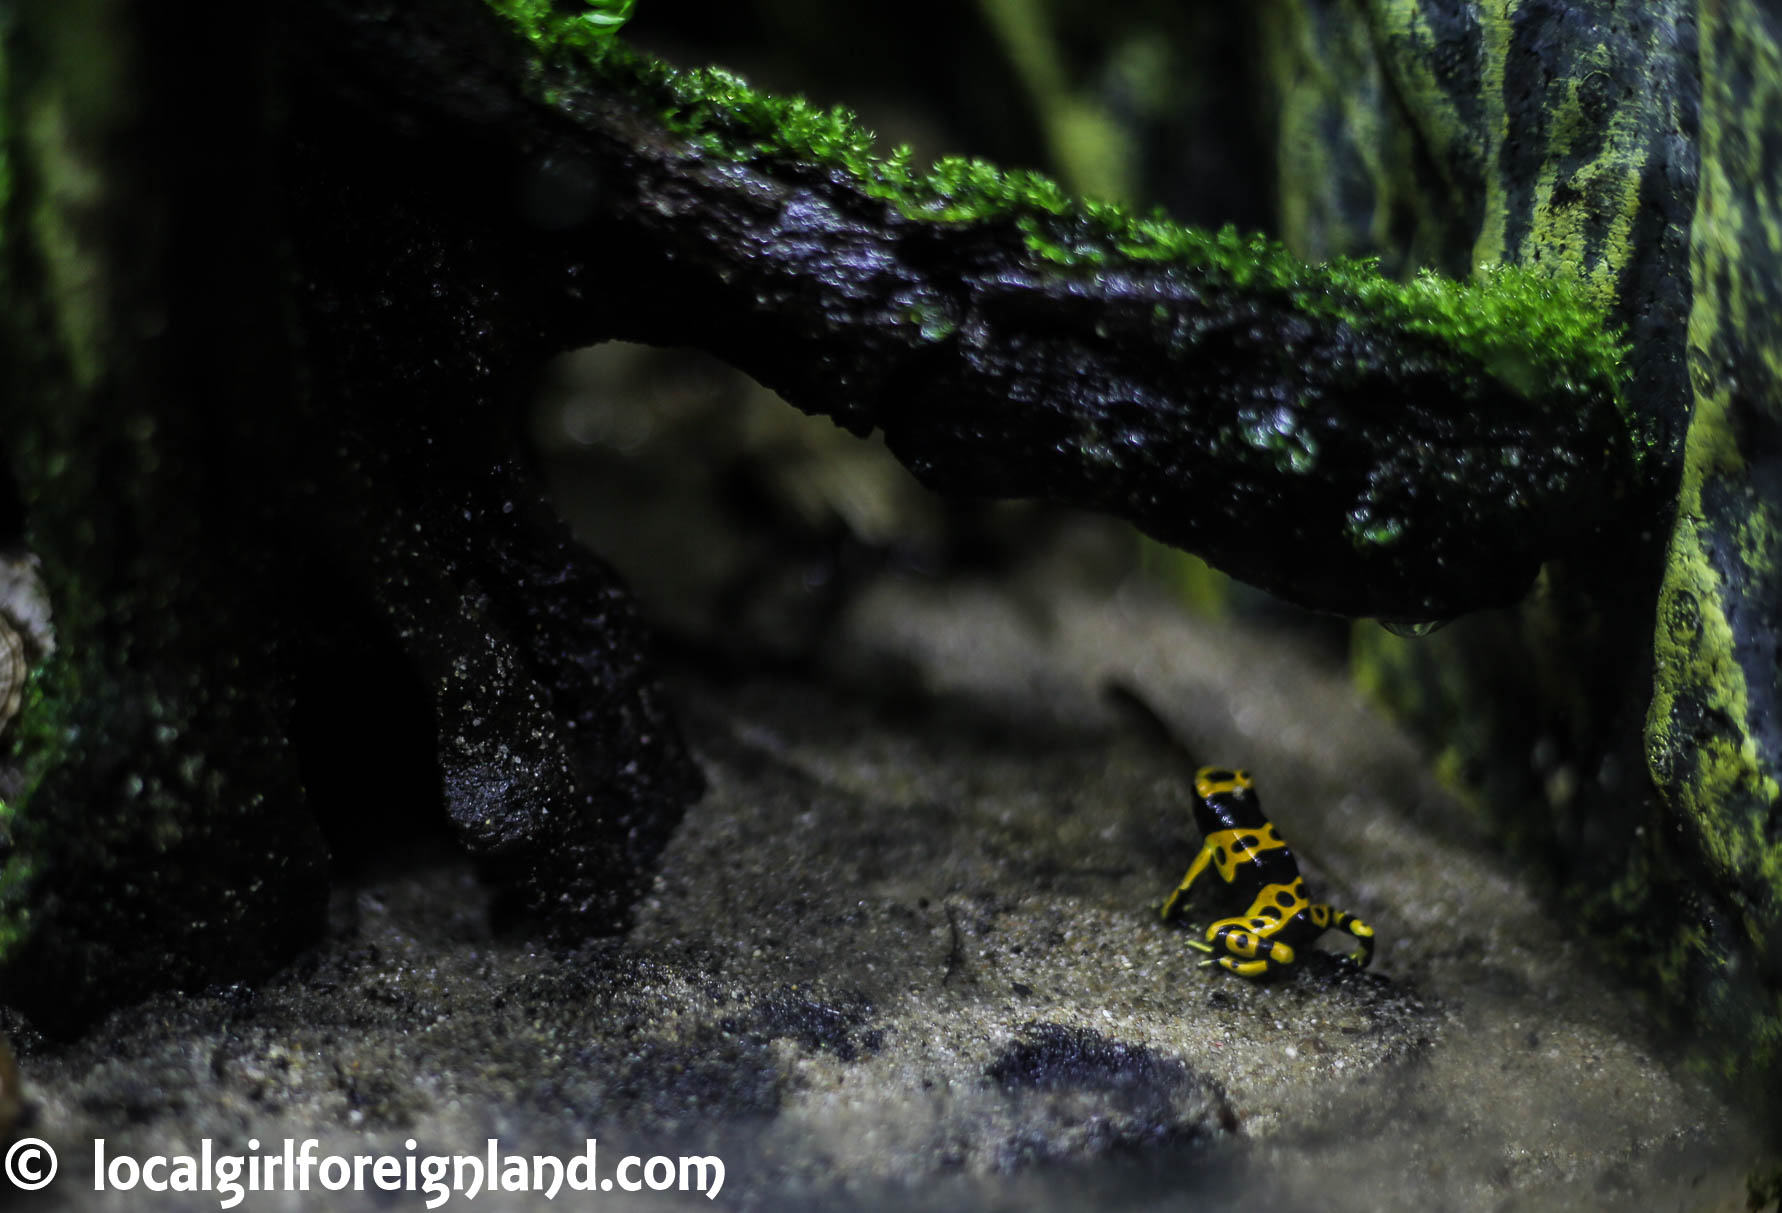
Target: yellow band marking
{"x":1210,"y":781}
{"x":1234,"y":848}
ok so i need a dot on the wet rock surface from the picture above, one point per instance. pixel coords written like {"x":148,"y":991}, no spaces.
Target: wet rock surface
{"x":905,"y":953}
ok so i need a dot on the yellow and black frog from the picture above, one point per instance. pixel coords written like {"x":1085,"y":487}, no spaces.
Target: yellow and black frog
{"x":1244,"y":848}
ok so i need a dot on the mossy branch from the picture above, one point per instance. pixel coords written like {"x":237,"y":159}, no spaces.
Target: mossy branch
{"x":1403,"y":450}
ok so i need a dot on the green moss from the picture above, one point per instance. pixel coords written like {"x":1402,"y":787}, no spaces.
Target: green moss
{"x":1341,"y":171}
{"x":1710,"y":731}
{"x":1523,"y":326}
{"x":591,"y":27}
{"x":35,"y":742}
{"x":16,"y":875}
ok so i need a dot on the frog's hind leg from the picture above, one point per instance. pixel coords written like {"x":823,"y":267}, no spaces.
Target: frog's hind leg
{"x":1324,"y":917}
{"x":1249,"y":952}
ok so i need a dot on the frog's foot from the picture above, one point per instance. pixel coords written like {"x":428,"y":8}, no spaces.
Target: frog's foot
{"x":1325,"y":917}
{"x":1342,"y":920}
{"x":1211,"y":960}
{"x":1249,"y":953}
{"x":1243,"y":968}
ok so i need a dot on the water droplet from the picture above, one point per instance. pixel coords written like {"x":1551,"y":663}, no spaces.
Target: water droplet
{"x":1412,"y":629}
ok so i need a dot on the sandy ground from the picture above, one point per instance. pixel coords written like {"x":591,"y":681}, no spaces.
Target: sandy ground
{"x":905,"y":953}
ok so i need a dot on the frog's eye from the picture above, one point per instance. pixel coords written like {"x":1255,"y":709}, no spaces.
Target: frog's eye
{"x":1242,"y":779}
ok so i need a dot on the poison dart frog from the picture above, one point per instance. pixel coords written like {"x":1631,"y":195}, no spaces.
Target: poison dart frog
{"x":1249,"y":855}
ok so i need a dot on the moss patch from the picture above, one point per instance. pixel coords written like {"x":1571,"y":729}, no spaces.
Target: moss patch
{"x":35,"y":743}
{"x":1528,"y":326}
{"x":589,"y":28}
{"x":1714,"y":729}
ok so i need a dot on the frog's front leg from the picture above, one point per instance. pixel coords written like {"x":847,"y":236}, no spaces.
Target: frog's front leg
{"x":1178,"y":900}
{"x":1248,"y":952}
